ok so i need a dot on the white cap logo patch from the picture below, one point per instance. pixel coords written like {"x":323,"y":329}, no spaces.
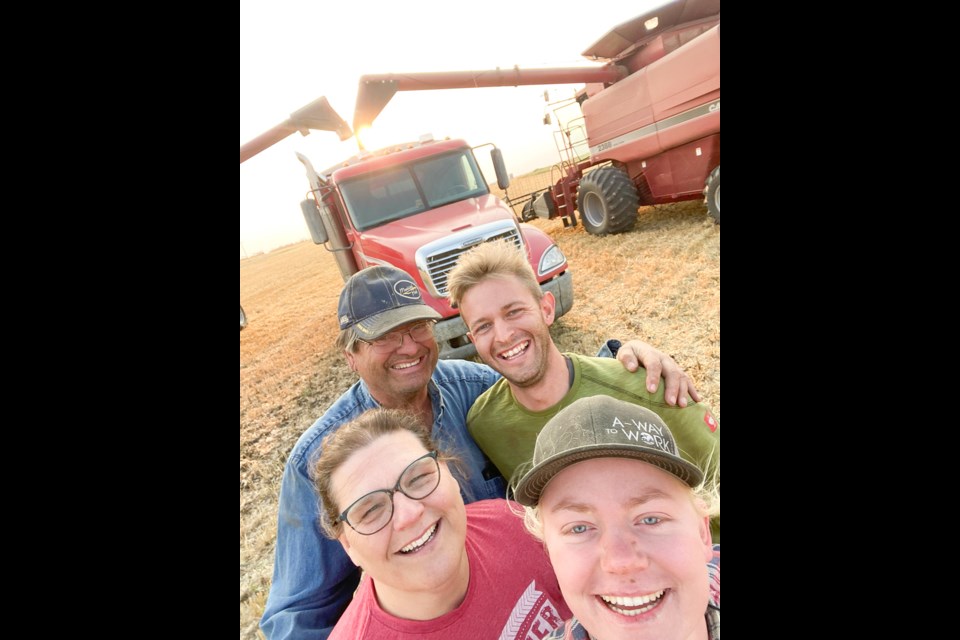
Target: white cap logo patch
{"x":406,"y":289}
{"x":645,"y":433}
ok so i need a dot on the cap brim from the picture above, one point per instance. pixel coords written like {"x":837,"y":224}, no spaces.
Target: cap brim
{"x":531,"y":486}
{"x":373,"y":327}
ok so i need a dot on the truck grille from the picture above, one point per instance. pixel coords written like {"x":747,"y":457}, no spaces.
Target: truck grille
{"x":440,"y":261}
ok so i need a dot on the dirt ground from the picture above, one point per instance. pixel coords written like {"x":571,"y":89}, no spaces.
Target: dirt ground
{"x":659,"y":282}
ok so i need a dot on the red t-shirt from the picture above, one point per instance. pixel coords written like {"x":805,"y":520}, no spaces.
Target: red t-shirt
{"x":512,"y":595}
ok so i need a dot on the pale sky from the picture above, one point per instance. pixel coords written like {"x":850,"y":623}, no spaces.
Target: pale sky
{"x":294,"y":51}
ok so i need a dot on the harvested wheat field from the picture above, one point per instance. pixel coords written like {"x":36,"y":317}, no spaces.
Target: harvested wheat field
{"x":659,"y":282}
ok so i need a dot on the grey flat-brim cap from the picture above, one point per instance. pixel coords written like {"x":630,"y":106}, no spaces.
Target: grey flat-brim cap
{"x":602,"y":427}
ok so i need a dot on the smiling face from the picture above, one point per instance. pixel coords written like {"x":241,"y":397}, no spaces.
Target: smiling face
{"x":395,"y":377}
{"x":420,"y":555}
{"x":510,"y":328}
{"x":629,"y":549}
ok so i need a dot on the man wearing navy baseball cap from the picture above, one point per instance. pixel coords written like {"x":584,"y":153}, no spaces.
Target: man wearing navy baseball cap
{"x":386,"y":335}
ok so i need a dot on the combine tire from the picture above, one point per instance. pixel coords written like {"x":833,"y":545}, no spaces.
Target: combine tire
{"x":711,"y":194}
{"x":608,"y":201}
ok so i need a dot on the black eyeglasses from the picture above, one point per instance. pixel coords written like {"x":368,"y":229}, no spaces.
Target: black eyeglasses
{"x":373,"y":511}
{"x":386,"y":343}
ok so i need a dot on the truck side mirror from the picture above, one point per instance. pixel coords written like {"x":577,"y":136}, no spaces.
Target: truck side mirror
{"x":311,"y":213}
{"x":503,"y":178}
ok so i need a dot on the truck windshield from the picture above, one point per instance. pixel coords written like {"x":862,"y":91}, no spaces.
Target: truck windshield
{"x":412,"y":188}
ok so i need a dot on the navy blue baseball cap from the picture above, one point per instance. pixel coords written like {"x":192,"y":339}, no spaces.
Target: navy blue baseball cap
{"x":377,"y":300}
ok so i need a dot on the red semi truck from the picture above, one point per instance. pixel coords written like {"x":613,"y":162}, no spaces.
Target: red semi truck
{"x":651,"y":117}
{"x":417,"y":206}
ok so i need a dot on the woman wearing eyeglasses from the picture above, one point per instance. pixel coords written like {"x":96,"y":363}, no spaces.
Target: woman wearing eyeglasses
{"x":433,"y":568}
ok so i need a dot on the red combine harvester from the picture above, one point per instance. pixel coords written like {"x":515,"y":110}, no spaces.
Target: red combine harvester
{"x":651,"y":117}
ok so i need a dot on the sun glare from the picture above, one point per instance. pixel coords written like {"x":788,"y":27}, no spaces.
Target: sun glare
{"x":373,"y":138}
{"x":364,"y":137}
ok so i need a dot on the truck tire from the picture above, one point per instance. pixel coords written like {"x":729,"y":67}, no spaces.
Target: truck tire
{"x":608,"y":201}
{"x":711,"y":194}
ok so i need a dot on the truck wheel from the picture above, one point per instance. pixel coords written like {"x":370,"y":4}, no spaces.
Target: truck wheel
{"x":711,"y":194}
{"x":608,"y":201}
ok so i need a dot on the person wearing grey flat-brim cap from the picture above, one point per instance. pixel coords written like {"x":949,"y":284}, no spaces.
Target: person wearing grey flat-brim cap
{"x":625,"y":520}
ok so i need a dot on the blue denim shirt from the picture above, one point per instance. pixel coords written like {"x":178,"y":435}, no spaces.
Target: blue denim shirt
{"x":313,"y":578}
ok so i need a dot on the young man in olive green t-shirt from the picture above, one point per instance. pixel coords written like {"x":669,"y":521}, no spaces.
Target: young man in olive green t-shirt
{"x":509,"y":321}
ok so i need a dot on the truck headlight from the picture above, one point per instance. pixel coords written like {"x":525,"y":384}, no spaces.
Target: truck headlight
{"x":550,"y":260}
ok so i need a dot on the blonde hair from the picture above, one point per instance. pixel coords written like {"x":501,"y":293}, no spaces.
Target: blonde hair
{"x":500,"y":259}
{"x":352,"y":436}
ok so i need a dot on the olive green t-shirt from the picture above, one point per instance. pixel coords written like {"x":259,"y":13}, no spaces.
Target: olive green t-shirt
{"x":507,"y":432}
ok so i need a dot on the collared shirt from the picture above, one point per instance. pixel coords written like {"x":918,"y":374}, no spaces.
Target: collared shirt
{"x":313,"y":578}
